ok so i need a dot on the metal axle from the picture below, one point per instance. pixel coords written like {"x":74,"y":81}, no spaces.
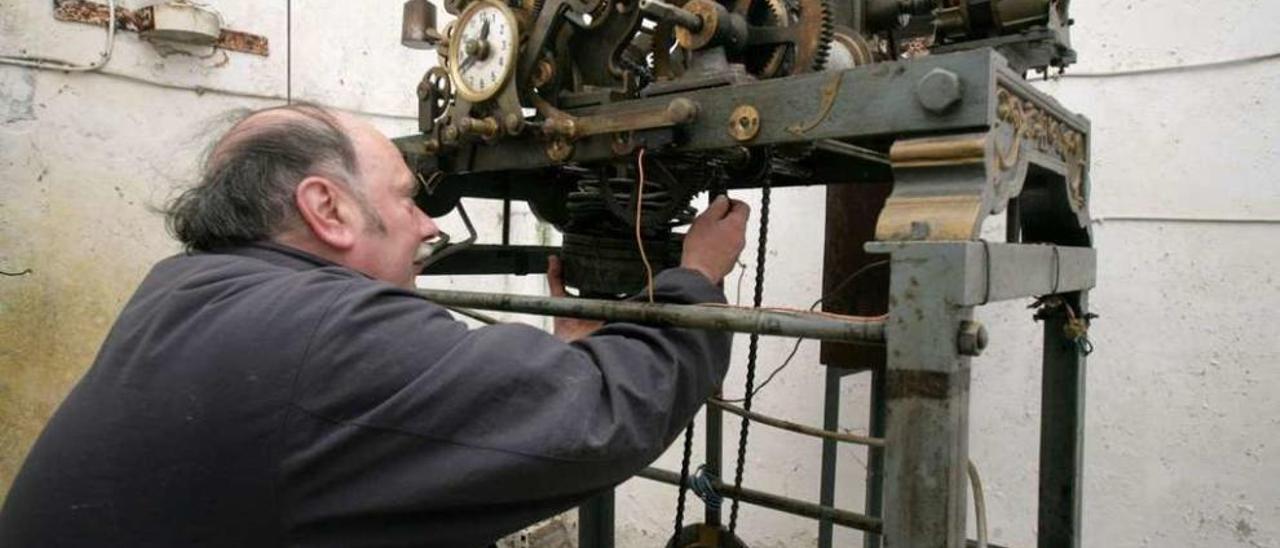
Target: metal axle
{"x":809,"y":325}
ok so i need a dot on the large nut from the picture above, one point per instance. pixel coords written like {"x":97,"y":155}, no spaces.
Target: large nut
{"x":939,"y":90}
{"x":972,"y":338}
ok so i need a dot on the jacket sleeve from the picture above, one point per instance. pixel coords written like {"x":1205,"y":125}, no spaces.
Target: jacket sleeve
{"x":402,"y":411}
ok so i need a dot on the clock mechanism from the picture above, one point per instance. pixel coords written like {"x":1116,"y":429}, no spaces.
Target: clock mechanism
{"x":482,"y":52}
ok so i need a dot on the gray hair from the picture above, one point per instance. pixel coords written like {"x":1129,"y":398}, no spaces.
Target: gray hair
{"x":247,"y":179}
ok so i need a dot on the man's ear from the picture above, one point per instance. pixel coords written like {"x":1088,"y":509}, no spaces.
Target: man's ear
{"x":327,"y":211}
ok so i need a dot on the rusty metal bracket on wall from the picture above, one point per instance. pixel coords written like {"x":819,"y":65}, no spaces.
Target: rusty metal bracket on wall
{"x":142,"y":20}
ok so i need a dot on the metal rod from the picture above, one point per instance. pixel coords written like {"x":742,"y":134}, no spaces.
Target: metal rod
{"x":827,"y":485}
{"x":809,"y":325}
{"x":775,"y":502}
{"x":874,"y":504}
{"x":714,"y":460}
{"x":483,"y":318}
{"x":663,"y":11}
{"x":795,"y":427}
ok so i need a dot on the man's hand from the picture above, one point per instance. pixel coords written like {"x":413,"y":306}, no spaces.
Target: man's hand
{"x":716,"y":238}
{"x":566,"y":329}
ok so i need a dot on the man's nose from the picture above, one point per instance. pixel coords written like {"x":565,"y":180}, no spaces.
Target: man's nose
{"x":426,"y":225}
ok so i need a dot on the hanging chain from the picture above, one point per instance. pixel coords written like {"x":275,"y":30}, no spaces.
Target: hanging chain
{"x":752,"y":347}
{"x":684,"y":480}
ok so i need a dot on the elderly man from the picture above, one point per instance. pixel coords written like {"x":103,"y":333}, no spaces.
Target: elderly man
{"x":279,"y":383}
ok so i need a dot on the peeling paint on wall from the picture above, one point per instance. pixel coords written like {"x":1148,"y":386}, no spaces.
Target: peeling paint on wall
{"x":17,"y":95}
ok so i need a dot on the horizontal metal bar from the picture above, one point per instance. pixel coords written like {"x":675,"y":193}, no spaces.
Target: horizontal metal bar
{"x":809,"y":325}
{"x":985,"y":272}
{"x":776,"y":502}
{"x":795,"y":427}
{"x":863,"y":102}
{"x":787,"y":505}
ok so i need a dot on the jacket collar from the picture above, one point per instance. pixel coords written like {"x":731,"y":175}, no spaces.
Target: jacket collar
{"x":281,"y":255}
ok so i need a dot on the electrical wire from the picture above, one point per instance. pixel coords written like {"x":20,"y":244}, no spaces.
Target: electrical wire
{"x":648,"y":268}
{"x":201,"y":90}
{"x":796,"y":347}
{"x":1213,"y":65}
{"x":979,"y":504}
{"x":49,"y":63}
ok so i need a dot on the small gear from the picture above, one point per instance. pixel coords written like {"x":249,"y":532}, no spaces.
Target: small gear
{"x":435,"y":91}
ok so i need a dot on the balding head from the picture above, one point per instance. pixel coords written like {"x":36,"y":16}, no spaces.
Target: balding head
{"x":312,"y":179}
{"x":247,"y":181}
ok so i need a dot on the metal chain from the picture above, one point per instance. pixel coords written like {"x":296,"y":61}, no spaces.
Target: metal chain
{"x":684,"y":480}
{"x":753,"y":346}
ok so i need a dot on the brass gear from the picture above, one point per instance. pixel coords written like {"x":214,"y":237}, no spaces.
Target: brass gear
{"x":817,"y":27}
{"x":765,"y":61}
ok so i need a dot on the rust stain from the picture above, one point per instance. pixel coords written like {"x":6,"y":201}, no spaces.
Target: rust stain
{"x":243,"y":42}
{"x":933,"y":385}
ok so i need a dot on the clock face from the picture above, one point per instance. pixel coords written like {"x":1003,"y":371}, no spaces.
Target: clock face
{"x":484,"y":50}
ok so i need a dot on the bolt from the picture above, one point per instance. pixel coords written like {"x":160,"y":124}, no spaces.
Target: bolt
{"x":681,"y":110}
{"x":939,"y":90}
{"x":972,"y":338}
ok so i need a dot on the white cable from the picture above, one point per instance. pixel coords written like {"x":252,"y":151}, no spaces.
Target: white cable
{"x":979,"y":504}
{"x":58,"y":64}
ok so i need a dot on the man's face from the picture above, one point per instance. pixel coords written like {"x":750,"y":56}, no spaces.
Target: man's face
{"x":388,"y":252}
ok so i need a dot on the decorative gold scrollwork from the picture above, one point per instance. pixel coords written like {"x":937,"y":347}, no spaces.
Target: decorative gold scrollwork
{"x":1046,"y":133}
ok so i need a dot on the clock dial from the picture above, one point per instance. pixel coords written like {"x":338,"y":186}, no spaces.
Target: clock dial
{"x":483,"y":51}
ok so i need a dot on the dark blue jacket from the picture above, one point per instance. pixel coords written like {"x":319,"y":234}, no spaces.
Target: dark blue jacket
{"x":262,"y":396}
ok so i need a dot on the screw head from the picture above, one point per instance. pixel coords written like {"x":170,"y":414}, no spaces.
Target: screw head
{"x":939,"y":90}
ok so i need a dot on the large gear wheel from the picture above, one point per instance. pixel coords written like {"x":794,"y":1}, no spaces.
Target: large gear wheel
{"x":765,"y":61}
{"x":816,"y":30}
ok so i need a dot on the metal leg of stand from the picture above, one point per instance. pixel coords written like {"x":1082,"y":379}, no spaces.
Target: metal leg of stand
{"x":1061,"y":432}
{"x":927,"y":385}
{"x":875,"y":457}
{"x":595,"y":522}
{"x":830,"y":422}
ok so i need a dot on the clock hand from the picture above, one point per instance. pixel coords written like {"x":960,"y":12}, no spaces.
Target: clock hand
{"x":484,"y":30}
{"x":471,"y":59}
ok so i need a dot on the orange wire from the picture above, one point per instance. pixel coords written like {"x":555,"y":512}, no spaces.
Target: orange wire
{"x":648,"y":269}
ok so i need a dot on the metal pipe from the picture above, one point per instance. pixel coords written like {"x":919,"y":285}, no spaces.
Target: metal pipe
{"x":663,"y":11}
{"x":795,"y":427}
{"x":776,"y":502}
{"x":809,"y":325}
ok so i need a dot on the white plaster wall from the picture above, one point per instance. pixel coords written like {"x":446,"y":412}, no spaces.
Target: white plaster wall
{"x":1182,"y":424}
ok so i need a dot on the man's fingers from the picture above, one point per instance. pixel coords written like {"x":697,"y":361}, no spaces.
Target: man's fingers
{"x":719,"y":207}
{"x":740,"y":210}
